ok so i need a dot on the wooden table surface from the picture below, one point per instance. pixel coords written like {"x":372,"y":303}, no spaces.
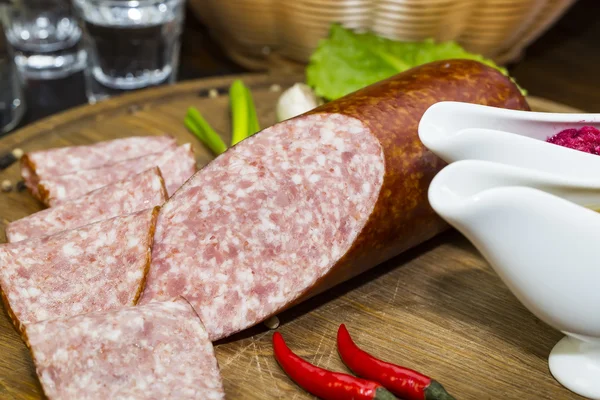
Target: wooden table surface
{"x":438,"y":308}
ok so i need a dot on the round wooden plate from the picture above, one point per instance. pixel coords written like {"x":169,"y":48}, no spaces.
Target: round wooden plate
{"x":438,"y":308}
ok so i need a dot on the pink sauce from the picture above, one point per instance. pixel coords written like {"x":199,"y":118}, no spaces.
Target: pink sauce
{"x":585,"y":139}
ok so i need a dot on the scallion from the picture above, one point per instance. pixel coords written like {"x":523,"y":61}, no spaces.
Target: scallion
{"x":239,"y":111}
{"x":196,"y":123}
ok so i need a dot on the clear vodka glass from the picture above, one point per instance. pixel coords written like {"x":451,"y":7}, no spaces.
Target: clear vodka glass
{"x":44,"y":37}
{"x":131,"y":44}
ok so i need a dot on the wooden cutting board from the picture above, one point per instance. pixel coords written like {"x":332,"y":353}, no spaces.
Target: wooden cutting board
{"x":438,"y":308}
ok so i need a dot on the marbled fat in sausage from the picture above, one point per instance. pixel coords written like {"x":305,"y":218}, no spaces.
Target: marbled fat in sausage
{"x":264,"y":222}
{"x":101,"y":266}
{"x":176,"y":166}
{"x":37,"y":165}
{"x":140,"y":192}
{"x":311,"y":201}
{"x":153,"y":352}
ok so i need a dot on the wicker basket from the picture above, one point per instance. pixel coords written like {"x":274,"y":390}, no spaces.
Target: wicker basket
{"x":256,"y":33}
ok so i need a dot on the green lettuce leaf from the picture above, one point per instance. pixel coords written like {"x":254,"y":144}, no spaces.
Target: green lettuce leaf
{"x":348,"y":61}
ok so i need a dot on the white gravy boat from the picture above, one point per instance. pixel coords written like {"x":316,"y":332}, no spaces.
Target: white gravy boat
{"x":524,"y":204}
{"x":461,"y":131}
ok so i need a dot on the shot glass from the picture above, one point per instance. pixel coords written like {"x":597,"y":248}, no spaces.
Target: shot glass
{"x":12,"y":104}
{"x":44,"y":37}
{"x":131,"y":44}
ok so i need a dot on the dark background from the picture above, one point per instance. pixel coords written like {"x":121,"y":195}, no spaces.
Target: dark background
{"x":562,"y":65}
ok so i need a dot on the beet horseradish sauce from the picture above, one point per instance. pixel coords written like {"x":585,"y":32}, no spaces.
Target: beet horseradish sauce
{"x":586,"y":139}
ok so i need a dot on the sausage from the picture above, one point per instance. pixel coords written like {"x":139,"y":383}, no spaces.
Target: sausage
{"x":37,"y":165}
{"x":312,"y":201}
{"x":101,"y":266}
{"x":176,"y":166}
{"x":140,"y":192}
{"x":157,"y":351}
{"x":402,"y":217}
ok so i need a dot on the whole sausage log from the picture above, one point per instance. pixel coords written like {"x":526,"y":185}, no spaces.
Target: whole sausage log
{"x":392,"y":109}
{"x":311,"y":201}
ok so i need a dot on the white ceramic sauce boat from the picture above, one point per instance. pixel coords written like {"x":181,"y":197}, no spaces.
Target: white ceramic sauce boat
{"x":461,"y":131}
{"x":526,"y":209}
{"x":544,"y":245}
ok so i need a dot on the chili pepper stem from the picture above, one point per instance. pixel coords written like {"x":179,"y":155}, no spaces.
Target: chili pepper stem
{"x":383,"y":394}
{"x":403,"y":382}
{"x":435,"y":391}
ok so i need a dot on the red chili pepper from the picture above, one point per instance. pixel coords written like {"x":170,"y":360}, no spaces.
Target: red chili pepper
{"x":403,"y":382}
{"x":325,"y":384}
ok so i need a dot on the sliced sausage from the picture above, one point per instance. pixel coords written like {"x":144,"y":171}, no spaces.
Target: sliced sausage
{"x":38,"y":165}
{"x":176,"y":166}
{"x":101,"y":266}
{"x":140,"y":192}
{"x":153,"y":352}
